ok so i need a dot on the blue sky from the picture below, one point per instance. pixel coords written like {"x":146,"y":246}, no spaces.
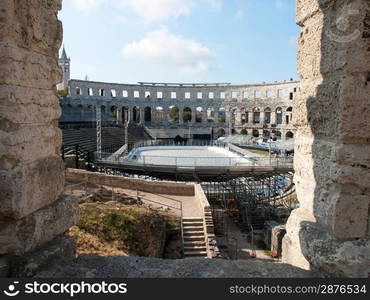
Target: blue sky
{"x":126,"y":41}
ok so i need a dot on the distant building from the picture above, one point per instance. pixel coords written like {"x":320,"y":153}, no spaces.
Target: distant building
{"x":65,"y":63}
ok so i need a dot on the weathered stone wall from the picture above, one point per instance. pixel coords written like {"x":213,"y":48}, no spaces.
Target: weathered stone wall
{"x":239,"y":100}
{"x":330,"y":230}
{"x":162,"y":187}
{"x":31,"y":170}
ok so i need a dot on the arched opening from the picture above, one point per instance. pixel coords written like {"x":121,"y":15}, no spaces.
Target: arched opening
{"x":289,"y":135}
{"x":124,"y":114}
{"x":199,"y":115}
{"x":179,"y":140}
{"x":244,"y":131}
{"x":233,"y":113}
{"x":256,"y":115}
{"x":148,"y":114}
{"x":187,"y":115}
{"x":159,"y":114}
{"x":289,"y":116}
{"x":279,"y":116}
{"x":113,"y":111}
{"x":136,"y":114}
{"x":266,"y":134}
{"x":210,"y":115}
{"x":221,"y":132}
{"x":278,"y":135}
{"x":267,"y":115}
{"x":244,"y":116}
{"x":256,"y":133}
{"x":174,"y":115}
{"x":222,"y":115}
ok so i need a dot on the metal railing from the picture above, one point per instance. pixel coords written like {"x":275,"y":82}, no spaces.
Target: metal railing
{"x":150,"y":160}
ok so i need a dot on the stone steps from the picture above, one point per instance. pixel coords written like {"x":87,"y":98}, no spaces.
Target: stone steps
{"x":194,"y":238}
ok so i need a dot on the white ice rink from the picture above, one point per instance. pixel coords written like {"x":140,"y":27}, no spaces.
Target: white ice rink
{"x":186,"y":156}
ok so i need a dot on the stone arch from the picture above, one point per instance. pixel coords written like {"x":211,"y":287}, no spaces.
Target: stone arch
{"x":210,"y":114}
{"x":113,"y":111}
{"x":256,"y":116}
{"x":289,"y":135}
{"x":187,"y":115}
{"x":136,"y":114}
{"x":199,"y":114}
{"x":289,"y":115}
{"x":243,"y":116}
{"x":147,"y":114}
{"x":159,"y":114}
{"x":222,"y":115}
{"x":221,"y":132}
{"x":244,"y":131}
{"x":173,"y":114}
{"x":340,"y":222}
{"x":267,"y":119}
{"x":266,"y":134}
{"x":279,"y":116}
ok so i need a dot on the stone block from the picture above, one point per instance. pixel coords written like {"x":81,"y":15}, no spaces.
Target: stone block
{"x":42,"y":32}
{"x":26,"y":188}
{"x":24,"y":235}
{"x":27,"y":68}
{"x":39,"y":107}
{"x":30,"y":143}
{"x":62,"y":248}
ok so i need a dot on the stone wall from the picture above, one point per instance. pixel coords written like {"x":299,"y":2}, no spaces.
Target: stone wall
{"x":330,"y":230}
{"x":32,"y":210}
{"x":238,"y":105}
{"x":156,"y":187}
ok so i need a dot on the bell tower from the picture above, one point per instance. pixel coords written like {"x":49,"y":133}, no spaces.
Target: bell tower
{"x":64,"y":63}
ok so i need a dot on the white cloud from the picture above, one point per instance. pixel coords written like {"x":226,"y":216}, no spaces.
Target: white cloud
{"x":239,"y":14}
{"x":279,"y":3}
{"x":166,"y":49}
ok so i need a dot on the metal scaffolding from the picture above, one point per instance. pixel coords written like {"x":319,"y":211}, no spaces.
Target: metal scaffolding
{"x":98,"y":131}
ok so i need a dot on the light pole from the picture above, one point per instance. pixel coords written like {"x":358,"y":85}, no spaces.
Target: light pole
{"x":269,"y":141}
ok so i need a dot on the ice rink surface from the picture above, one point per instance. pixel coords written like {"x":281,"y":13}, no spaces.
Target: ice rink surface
{"x":186,"y":156}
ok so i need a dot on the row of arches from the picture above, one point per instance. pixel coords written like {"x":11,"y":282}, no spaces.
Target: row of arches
{"x":174,"y":114}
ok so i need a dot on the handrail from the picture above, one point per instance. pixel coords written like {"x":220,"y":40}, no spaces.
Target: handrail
{"x":187,"y":161}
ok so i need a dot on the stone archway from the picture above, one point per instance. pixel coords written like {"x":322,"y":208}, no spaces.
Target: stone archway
{"x":329,"y":232}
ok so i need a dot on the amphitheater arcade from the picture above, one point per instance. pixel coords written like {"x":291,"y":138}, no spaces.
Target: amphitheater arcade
{"x":262,"y":110}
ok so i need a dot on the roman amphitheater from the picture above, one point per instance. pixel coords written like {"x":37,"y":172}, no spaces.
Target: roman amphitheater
{"x":213,"y":162}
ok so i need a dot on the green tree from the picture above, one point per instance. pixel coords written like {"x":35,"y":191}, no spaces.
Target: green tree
{"x":174,"y":115}
{"x":64,"y":92}
{"x":187,"y":115}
